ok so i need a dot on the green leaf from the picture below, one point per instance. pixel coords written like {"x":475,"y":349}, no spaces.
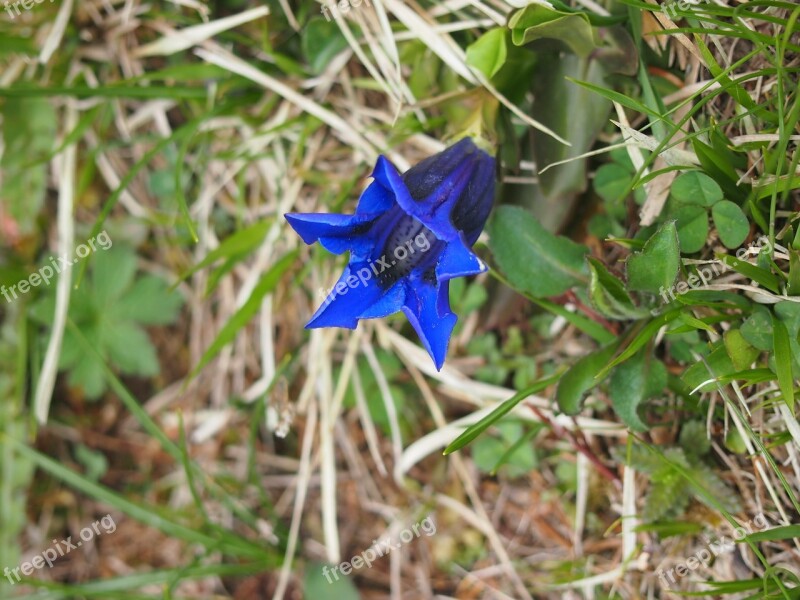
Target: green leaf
{"x":635,"y":380}
{"x":775,"y":534}
{"x":130,"y":349}
{"x":150,"y":301}
{"x":757,"y":329}
{"x":692,"y":224}
{"x":757,"y":274}
{"x":95,"y":463}
{"x":581,"y":322}
{"x":656,"y":266}
{"x":789,"y":313}
{"x":793,"y":285}
{"x":735,"y":442}
{"x":720,"y":365}
{"x":537,"y":21}
{"x":580,"y":378}
{"x":783,"y":361}
{"x":316,"y":584}
{"x":89,"y":376}
{"x":696,"y":187}
{"x":489,"y":52}
{"x":608,"y":294}
{"x":321,"y":42}
{"x":242,"y":316}
{"x":533,"y":259}
{"x":717,"y":166}
{"x":611,"y":182}
{"x":640,"y":335}
{"x":577,"y":115}
{"x":740,"y":352}
{"x":693,"y":439}
{"x":731,"y":223}
{"x":112,"y":273}
{"x":473,"y":431}
{"x":622,"y":99}
{"x":107,"y":91}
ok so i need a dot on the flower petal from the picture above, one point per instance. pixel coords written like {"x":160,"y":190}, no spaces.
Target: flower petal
{"x":391,"y":302}
{"x":375,"y":199}
{"x":428,"y":310}
{"x":337,"y":233}
{"x":349,"y":298}
{"x":449,"y":192}
{"x":458,"y":260}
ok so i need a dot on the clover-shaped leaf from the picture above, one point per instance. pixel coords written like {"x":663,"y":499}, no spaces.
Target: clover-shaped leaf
{"x":109,"y":310}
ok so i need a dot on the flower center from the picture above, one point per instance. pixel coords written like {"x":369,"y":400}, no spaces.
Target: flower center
{"x":408,"y":246}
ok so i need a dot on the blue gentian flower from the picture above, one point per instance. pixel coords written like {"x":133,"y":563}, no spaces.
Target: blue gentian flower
{"x":410,"y":235}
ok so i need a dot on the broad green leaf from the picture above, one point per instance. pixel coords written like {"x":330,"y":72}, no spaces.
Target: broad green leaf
{"x":731,"y":223}
{"x":533,"y":259}
{"x":789,"y":312}
{"x":757,"y":329}
{"x":655,"y":268}
{"x":611,"y":181}
{"x":740,"y":352}
{"x":696,"y":187}
{"x":473,"y":431}
{"x":580,"y":378}
{"x":577,"y":115}
{"x":88,"y":375}
{"x":717,"y":166}
{"x":150,"y":301}
{"x":720,"y":364}
{"x":112,"y":273}
{"x":783,"y":361}
{"x":130,"y":349}
{"x":537,"y":21}
{"x":631,"y":383}
{"x":489,"y":52}
{"x":242,"y":316}
{"x":692,"y":224}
